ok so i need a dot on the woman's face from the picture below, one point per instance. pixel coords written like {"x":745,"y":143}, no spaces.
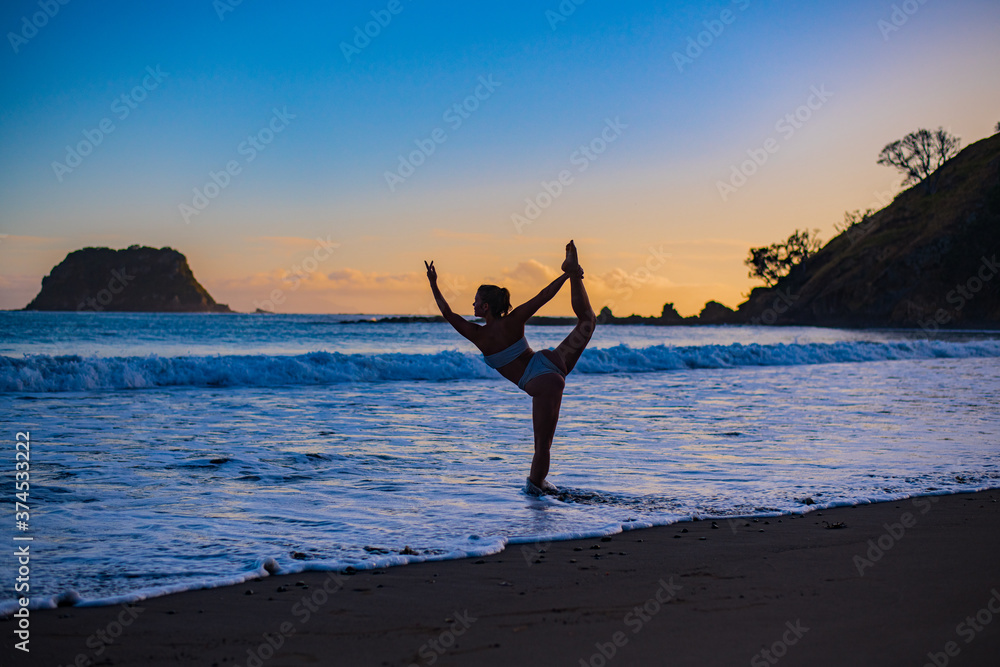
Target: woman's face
{"x":479,"y":307}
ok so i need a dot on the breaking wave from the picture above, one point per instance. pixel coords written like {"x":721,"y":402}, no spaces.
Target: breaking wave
{"x":46,"y":373}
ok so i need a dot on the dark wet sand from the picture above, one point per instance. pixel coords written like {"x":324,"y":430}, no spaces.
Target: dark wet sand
{"x":708,"y":596}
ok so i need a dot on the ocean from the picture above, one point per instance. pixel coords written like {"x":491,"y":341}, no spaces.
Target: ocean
{"x":179,"y":451}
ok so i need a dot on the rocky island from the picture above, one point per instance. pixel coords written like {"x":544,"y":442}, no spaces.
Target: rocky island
{"x":136,"y":279}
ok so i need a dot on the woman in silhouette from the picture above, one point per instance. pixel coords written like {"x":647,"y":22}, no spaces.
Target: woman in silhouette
{"x":539,"y":374}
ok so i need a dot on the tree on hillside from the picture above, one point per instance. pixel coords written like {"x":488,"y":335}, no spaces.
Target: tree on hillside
{"x":854,"y":218}
{"x":920,"y":154}
{"x":772,"y":263}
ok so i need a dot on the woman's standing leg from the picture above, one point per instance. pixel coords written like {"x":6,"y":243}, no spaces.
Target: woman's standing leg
{"x":546,"y":397}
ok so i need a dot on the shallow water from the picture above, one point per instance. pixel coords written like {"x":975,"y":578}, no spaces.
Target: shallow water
{"x":140,"y":491}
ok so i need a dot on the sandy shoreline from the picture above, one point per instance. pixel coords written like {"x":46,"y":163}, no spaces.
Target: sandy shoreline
{"x":909,"y":582}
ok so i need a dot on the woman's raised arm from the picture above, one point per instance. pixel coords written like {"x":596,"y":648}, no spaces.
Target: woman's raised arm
{"x":461,"y":325}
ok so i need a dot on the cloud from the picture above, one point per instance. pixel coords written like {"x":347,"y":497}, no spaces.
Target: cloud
{"x":344,"y":290}
{"x":530,"y":272}
{"x":711,"y":250}
{"x":619,"y":279}
{"x":354,"y":279}
{"x":340,"y":279}
{"x":16,"y":291}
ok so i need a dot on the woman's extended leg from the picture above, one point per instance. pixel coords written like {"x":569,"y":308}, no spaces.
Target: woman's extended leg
{"x":546,"y":390}
{"x":570,"y":349}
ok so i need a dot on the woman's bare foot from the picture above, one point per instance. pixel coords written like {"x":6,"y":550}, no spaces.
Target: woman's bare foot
{"x":545,"y":488}
{"x":572,"y":263}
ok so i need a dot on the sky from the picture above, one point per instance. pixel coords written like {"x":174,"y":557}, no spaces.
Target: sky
{"x":307,"y":157}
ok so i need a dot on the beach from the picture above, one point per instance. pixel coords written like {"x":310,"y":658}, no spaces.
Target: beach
{"x":907,"y":582}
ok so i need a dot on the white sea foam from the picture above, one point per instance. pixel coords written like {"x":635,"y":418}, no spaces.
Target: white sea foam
{"x":346,"y":567}
{"x":45,"y":373}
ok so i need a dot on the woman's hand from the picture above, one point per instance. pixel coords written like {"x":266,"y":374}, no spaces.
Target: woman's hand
{"x":432,"y":274}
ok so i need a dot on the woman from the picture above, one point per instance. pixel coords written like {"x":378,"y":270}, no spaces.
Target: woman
{"x":539,"y":374}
